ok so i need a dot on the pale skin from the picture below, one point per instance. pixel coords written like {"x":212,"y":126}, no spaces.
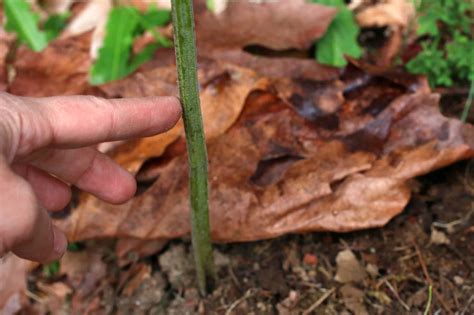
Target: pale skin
{"x":46,"y":147}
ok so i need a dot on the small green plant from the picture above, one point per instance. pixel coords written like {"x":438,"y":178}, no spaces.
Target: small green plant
{"x":25,"y":23}
{"x":185,"y":49}
{"x":340,"y":38}
{"x":124,"y":24}
{"x":447,"y":54}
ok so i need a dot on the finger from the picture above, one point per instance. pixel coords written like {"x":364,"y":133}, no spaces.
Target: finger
{"x":25,"y":228}
{"x":52,"y":193}
{"x":76,"y":121}
{"x":89,"y":170}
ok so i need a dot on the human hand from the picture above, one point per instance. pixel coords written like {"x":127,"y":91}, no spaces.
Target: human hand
{"x":45,"y":147}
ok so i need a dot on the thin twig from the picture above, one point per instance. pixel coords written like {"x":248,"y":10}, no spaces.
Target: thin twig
{"x":429,"y":280}
{"x":247,"y":294}
{"x":319,"y":301}
{"x":389,"y":285}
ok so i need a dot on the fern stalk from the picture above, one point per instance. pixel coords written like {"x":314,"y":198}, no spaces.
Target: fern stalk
{"x":185,"y":49}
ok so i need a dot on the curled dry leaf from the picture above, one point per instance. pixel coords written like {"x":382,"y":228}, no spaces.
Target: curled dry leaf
{"x":277,"y":170}
{"x":223,"y":93}
{"x":392,"y":13}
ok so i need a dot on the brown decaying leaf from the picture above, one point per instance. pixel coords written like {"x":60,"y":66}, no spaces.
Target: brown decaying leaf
{"x":61,"y":69}
{"x":272,"y":25}
{"x":277,"y":25}
{"x":223,"y":93}
{"x":275,"y":172}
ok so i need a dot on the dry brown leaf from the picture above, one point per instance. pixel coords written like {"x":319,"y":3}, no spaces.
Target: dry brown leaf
{"x":393,"y":13}
{"x":353,"y":299}
{"x":270,"y":24}
{"x":61,"y":69}
{"x":223,"y":91}
{"x":277,"y":25}
{"x":275,"y":172}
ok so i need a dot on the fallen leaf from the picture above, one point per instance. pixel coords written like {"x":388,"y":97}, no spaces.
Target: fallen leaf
{"x":353,"y":299}
{"x":224,"y":88}
{"x":271,"y":25}
{"x":275,"y":172}
{"x":393,"y":13}
{"x":349,"y":268}
{"x":64,"y":65}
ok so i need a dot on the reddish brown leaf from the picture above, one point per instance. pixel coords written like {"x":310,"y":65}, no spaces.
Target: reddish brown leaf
{"x":275,"y":172}
{"x":280,"y":25}
{"x":61,"y":69}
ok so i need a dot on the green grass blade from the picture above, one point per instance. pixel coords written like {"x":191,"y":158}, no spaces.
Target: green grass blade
{"x":22,"y":20}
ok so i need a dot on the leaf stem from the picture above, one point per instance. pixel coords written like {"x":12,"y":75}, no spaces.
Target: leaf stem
{"x":185,"y":49}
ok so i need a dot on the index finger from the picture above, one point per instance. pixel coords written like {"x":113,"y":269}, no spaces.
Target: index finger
{"x":75,"y":121}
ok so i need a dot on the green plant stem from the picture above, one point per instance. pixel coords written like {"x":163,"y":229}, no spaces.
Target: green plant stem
{"x":428,"y":303}
{"x":185,"y":49}
{"x":467,"y":106}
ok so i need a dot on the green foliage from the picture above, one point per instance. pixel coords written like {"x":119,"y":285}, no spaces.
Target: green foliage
{"x":124,"y":24}
{"x":24,"y":22}
{"x":55,"y":24}
{"x":447,"y":53}
{"x":51,"y":269}
{"x":340,"y":38}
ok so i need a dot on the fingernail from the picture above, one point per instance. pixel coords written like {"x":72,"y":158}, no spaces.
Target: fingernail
{"x":60,"y":242}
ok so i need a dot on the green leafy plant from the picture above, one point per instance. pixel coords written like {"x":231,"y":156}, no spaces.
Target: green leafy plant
{"x":185,"y":49}
{"x":124,"y":24}
{"x":444,"y":27}
{"x":340,"y":38}
{"x":25,"y":23}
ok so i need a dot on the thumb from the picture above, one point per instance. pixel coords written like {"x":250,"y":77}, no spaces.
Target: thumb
{"x":26,"y":228}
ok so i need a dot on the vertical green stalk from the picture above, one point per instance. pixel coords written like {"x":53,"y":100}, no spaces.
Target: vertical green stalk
{"x":469,"y":101}
{"x":185,"y":48}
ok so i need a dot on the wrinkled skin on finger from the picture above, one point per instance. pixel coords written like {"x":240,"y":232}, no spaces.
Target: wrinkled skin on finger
{"x":45,"y":149}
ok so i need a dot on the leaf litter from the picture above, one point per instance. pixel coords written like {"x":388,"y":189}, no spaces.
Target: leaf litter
{"x":294,"y":147}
